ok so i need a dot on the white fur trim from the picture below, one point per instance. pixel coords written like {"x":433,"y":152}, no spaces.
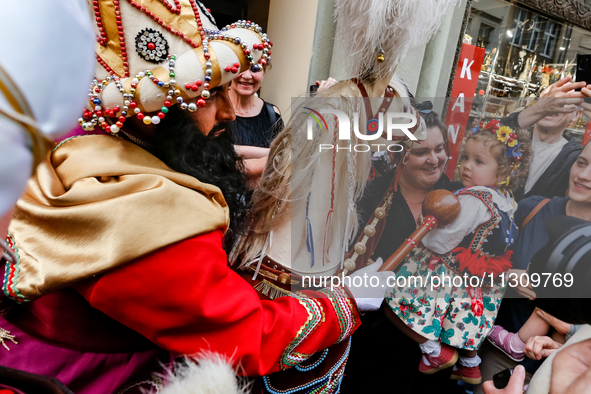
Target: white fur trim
{"x":208,"y":374}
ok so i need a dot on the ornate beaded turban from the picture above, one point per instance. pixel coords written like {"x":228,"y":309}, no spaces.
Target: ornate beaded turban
{"x":152,"y":54}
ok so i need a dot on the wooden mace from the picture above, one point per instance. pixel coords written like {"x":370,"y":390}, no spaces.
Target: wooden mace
{"x":440,"y":208}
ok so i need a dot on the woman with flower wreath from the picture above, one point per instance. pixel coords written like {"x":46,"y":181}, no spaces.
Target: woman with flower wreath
{"x":452,"y":291}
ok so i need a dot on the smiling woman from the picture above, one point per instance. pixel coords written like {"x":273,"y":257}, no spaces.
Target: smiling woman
{"x":422,"y":173}
{"x":257,"y":122}
{"x":580,"y":186}
{"x":424,"y":168}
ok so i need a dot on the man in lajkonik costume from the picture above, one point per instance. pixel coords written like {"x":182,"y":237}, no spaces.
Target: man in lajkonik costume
{"x":117,"y":261}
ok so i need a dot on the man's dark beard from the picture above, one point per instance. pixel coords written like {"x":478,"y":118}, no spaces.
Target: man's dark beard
{"x":211,"y":159}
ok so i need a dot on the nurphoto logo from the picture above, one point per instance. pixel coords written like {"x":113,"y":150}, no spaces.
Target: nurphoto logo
{"x":374,"y":129}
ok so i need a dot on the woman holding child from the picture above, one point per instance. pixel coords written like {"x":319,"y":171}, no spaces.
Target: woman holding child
{"x":450,"y":322}
{"x":371,"y":364}
{"x":494,"y":162}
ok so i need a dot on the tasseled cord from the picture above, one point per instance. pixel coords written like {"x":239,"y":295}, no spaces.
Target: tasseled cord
{"x":5,"y":334}
{"x":328,"y":227}
{"x":259,"y":259}
{"x":309,"y":235}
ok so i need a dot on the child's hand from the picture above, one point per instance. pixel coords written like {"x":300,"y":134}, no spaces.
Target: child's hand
{"x":560,"y":326}
{"x":325,"y":84}
{"x":538,"y":348}
{"x":515,"y":385}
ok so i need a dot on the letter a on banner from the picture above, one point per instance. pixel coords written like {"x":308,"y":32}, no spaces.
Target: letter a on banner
{"x":462,"y":95}
{"x":460,"y":103}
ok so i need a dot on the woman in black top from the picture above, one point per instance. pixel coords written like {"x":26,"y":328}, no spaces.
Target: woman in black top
{"x":257,"y":122}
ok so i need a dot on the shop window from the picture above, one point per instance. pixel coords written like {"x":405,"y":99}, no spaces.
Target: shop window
{"x":534,"y":32}
{"x":549,"y":41}
{"x":485,"y":35}
{"x":519,"y":23}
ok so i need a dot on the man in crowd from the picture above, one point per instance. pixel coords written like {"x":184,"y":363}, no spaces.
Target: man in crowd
{"x":554,"y":152}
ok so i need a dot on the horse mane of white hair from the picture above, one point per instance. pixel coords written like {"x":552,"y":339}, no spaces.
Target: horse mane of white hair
{"x":394,"y":26}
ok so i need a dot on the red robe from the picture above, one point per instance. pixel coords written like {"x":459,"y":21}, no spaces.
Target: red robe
{"x":186,"y":299}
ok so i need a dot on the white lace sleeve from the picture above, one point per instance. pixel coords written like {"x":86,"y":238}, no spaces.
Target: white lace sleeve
{"x":474,"y":212}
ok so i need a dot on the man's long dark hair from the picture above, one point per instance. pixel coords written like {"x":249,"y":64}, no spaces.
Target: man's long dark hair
{"x":211,"y":159}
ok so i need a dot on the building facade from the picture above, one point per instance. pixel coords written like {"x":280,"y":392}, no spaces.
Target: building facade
{"x":529,"y":44}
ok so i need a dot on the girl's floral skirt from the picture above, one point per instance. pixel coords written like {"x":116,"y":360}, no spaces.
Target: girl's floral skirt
{"x":439,"y":304}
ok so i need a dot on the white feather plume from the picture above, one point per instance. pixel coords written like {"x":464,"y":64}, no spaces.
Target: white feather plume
{"x":394,"y":26}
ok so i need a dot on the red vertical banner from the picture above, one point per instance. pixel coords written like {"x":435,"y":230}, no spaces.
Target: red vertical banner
{"x":460,"y":102}
{"x":587,"y":135}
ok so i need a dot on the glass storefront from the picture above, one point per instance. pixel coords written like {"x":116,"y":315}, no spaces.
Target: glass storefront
{"x":525,"y":53}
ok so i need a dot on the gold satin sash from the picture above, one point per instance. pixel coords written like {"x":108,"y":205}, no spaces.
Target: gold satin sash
{"x":96,"y":203}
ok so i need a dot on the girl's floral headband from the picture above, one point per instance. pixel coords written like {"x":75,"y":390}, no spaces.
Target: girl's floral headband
{"x":506,"y":136}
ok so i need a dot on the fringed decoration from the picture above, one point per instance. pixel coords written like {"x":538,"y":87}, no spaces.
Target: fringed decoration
{"x":270,"y":290}
{"x":5,"y":334}
{"x":480,"y":264}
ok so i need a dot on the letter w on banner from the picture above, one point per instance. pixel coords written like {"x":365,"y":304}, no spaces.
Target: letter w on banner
{"x":460,"y":102}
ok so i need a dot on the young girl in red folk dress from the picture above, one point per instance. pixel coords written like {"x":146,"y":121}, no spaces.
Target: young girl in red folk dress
{"x":441,"y":314}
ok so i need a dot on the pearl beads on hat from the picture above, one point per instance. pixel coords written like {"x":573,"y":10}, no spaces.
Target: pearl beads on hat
{"x":103,"y":117}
